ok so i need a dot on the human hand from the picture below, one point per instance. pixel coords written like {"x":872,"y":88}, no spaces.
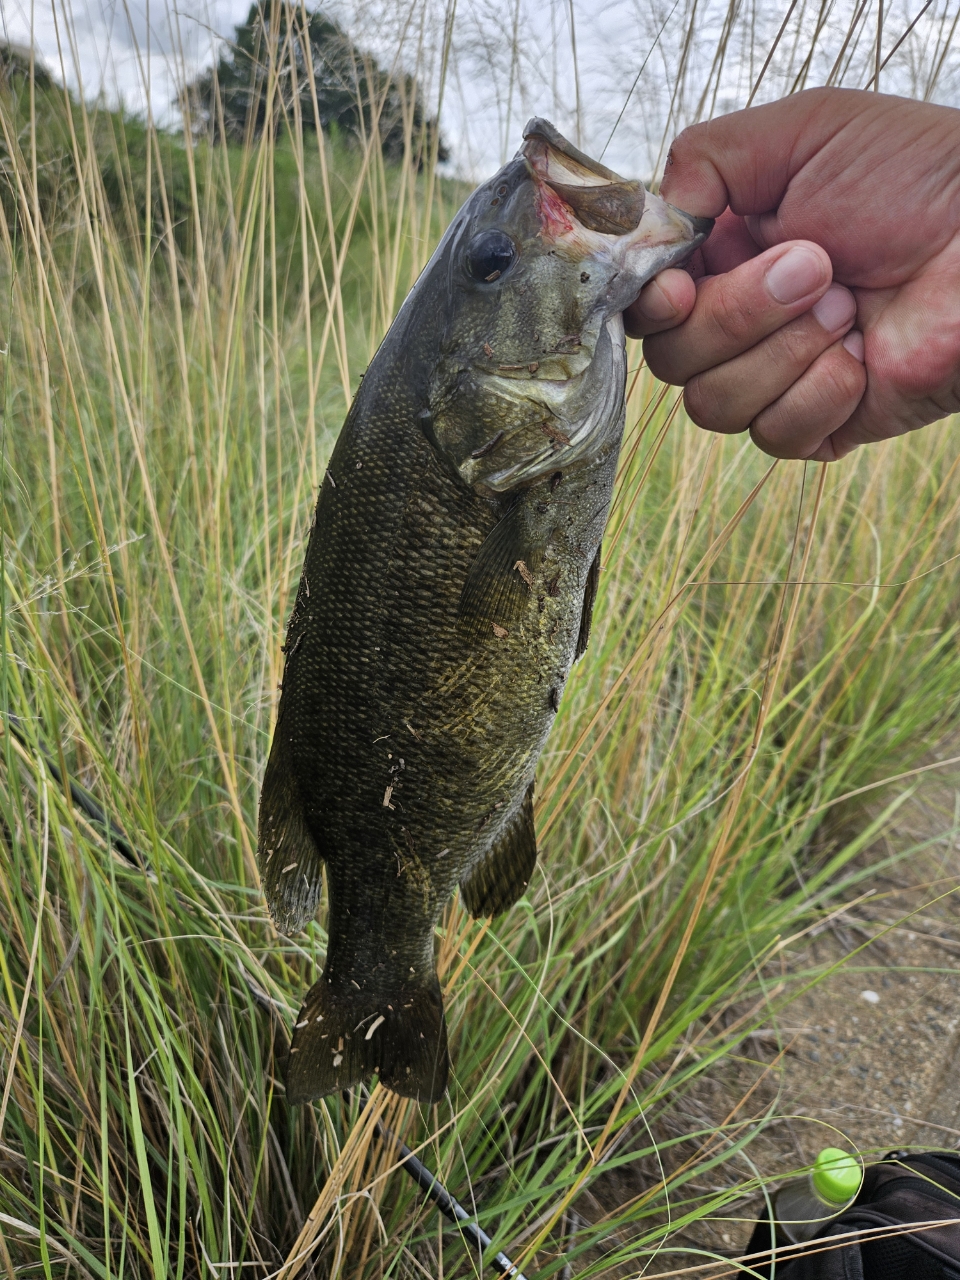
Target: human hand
{"x":872,"y":185}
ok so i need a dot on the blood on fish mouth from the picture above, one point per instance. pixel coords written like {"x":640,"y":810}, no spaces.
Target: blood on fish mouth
{"x":555,"y":216}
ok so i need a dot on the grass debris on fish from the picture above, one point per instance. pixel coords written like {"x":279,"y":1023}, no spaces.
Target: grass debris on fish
{"x":447,"y":589}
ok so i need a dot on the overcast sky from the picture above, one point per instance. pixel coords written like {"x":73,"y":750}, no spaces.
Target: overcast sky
{"x":118,"y":48}
{"x":510,"y":59}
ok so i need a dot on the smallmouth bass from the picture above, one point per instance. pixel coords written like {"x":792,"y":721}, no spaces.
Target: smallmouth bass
{"x":447,"y":589}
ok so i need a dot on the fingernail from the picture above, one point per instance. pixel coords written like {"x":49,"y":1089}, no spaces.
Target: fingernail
{"x":796,"y":274}
{"x":654,"y":304}
{"x":853,"y":343}
{"x":835,"y":309}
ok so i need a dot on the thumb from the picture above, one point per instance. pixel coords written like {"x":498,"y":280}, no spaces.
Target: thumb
{"x":747,"y":159}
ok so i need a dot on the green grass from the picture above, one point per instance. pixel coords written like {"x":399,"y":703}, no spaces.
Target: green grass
{"x":171,"y":388}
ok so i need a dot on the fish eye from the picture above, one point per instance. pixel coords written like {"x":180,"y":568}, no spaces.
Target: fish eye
{"x":489,"y":255}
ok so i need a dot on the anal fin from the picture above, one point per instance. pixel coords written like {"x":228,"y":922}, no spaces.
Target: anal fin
{"x":504,"y":871}
{"x":291,"y":865}
{"x":344,"y":1035}
{"x":589,"y":599}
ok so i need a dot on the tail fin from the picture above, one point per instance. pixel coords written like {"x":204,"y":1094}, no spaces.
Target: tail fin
{"x":341,"y":1037}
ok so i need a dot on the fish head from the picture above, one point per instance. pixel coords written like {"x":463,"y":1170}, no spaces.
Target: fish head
{"x":540,"y":263}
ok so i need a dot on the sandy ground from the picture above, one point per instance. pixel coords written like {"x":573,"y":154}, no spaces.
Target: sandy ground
{"x":869,"y":1058}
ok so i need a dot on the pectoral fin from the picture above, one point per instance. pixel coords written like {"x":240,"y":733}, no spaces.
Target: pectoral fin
{"x":504,"y":872}
{"x":291,"y":864}
{"x":497,"y":590}
{"x":589,"y":599}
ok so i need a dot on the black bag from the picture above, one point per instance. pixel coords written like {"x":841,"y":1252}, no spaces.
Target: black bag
{"x":900,"y":1190}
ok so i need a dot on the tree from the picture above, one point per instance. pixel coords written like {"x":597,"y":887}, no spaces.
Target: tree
{"x":276,"y":53}
{"x":15,"y":65}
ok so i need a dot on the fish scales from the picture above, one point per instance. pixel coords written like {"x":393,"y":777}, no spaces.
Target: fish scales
{"x":446,"y":590}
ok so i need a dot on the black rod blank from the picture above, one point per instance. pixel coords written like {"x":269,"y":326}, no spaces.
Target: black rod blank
{"x":79,"y":795}
{"x":448,"y":1206}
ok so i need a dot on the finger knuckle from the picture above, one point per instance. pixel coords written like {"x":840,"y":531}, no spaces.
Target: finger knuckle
{"x":706,"y":408}
{"x":693,"y":404}
{"x":819,"y":402}
{"x":798,"y":344}
{"x":732,"y":317}
{"x":686,"y":144}
{"x":831,"y":397}
{"x":840,"y":381}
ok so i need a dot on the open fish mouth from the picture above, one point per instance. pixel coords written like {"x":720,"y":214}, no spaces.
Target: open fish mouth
{"x":600,"y":198}
{"x":585,"y":209}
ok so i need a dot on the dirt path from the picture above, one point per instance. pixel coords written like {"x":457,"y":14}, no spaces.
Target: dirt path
{"x":868,"y":1058}
{"x":872,"y":1052}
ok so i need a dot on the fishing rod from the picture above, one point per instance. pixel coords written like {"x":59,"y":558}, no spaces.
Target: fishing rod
{"x":79,"y":795}
{"x":450,"y":1207}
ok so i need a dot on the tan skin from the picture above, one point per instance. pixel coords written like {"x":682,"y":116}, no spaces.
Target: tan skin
{"x":829,"y":312}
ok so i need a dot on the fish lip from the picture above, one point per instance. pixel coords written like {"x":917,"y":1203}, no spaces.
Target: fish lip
{"x":702,"y":226}
{"x":599,"y":198}
{"x":552,"y":138}
{"x":663,"y":224}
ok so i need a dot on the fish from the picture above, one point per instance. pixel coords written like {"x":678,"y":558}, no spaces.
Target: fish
{"x":447,"y":589}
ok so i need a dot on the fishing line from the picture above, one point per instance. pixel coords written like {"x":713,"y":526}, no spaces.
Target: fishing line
{"x":637,"y":80}
{"x":450,"y":1207}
